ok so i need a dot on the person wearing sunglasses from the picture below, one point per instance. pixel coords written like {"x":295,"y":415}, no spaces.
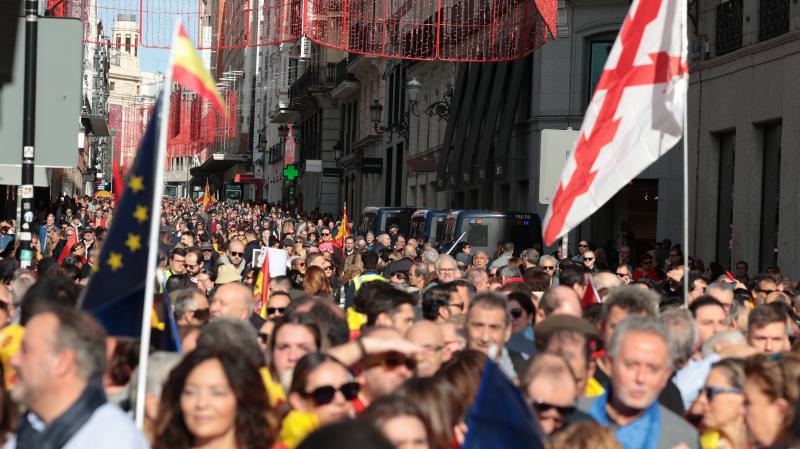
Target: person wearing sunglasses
{"x":191,"y":307}
{"x":384,"y":371}
{"x":549,"y":387}
{"x":522,"y":311}
{"x":721,"y":405}
{"x":322,"y":393}
{"x":235,"y":256}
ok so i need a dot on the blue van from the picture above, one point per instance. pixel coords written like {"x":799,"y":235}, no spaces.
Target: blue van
{"x":427,"y":225}
{"x":378,"y":219}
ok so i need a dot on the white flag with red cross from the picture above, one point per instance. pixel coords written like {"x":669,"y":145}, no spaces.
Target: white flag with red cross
{"x":636,"y":114}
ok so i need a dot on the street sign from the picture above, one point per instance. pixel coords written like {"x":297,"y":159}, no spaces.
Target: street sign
{"x":332,"y":172}
{"x":58,"y":96}
{"x":290,"y":172}
{"x":314,"y":166}
{"x":554,"y":149}
{"x":372,"y":165}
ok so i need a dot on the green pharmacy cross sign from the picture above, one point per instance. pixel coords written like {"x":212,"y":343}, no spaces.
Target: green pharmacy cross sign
{"x":290,"y":172}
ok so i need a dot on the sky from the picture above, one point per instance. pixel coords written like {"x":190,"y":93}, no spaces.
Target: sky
{"x":153,"y":59}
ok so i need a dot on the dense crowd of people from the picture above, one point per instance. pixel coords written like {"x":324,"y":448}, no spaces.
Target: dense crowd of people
{"x":381,"y":341}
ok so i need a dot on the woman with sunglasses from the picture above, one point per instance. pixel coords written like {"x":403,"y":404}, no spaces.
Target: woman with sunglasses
{"x":771,"y":393}
{"x":322,"y":392}
{"x":721,"y":405}
{"x":209,"y":401}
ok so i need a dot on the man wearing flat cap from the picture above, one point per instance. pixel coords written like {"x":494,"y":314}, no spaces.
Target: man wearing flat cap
{"x":571,"y":338}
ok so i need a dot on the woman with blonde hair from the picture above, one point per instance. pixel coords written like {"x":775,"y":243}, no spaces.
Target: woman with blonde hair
{"x":353,"y":267}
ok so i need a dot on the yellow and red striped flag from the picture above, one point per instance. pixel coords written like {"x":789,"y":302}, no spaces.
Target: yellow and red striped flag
{"x":189,"y":72}
{"x":208,"y":200}
{"x":344,"y":229}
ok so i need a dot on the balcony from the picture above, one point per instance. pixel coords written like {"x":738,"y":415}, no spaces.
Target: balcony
{"x":346,"y":82}
{"x":729,"y":26}
{"x":316,"y":78}
{"x":275,"y":153}
{"x":773,"y":18}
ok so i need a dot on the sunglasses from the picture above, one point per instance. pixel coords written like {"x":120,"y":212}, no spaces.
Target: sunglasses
{"x":235,"y":254}
{"x":622,"y":275}
{"x":325,"y":234}
{"x":393,"y":361}
{"x":583,"y":246}
{"x":271,"y":310}
{"x":516,"y":312}
{"x":201,"y":314}
{"x":546,"y":268}
{"x":588,"y":259}
{"x":324,"y":395}
{"x":328,"y":268}
{"x":711,"y":392}
{"x":562,"y":410}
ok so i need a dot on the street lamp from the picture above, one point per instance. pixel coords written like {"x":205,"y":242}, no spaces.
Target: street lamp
{"x":439,"y":108}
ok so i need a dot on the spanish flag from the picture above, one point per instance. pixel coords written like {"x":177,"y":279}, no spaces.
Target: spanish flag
{"x":208,"y":200}
{"x":189,"y":72}
{"x":344,"y":230}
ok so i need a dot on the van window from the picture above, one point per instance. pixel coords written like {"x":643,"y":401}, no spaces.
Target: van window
{"x":478,"y":235}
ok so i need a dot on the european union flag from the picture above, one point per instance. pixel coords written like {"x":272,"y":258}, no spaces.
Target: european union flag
{"x":115,"y":294}
{"x":500,"y":418}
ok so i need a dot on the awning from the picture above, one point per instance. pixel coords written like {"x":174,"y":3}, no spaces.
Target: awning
{"x":95,"y":124}
{"x":11,"y":175}
{"x":218,"y":162}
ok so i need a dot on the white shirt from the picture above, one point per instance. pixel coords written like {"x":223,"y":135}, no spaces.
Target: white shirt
{"x":109,"y":427}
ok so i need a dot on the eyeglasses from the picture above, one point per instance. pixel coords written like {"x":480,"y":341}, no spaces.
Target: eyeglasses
{"x":711,"y":391}
{"x":588,"y":259}
{"x":324,"y":395}
{"x":325,"y":234}
{"x":516,"y":312}
{"x":547,"y":268}
{"x":393,"y":361}
{"x":271,"y":310}
{"x":562,"y":410}
{"x":328,"y":268}
{"x":191,"y":267}
{"x":201,"y":314}
{"x":264,"y":337}
{"x":622,"y":275}
{"x":580,"y":245}
{"x":236,"y":254}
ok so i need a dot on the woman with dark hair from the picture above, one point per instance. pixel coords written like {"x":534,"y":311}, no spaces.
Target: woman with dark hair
{"x":400,"y":421}
{"x":315,"y":283}
{"x":771,"y":392}
{"x":210,"y":400}
{"x":293,"y":336}
{"x":437,"y":401}
{"x":321,"y":393}
{"x":464,"y":371}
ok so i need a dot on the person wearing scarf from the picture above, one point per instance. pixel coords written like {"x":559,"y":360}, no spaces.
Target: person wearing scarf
{"x":58,"y":382}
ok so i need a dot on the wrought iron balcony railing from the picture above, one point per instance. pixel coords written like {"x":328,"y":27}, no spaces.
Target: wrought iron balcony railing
{"x":773,"y":18}
{"x":729,"y":26}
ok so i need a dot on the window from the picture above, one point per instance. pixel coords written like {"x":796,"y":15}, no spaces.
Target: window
{"x":128,"y":43}
{"x":292,"y":70}
{"x":136,"y":46}
{"x":111,"y":86}
{"x":770,"y":195}
{"x":727,"y":151}
{"x":599,"y":47}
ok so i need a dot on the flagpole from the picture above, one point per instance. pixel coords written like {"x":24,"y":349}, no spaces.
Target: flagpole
{"x":152,"y":259}
{"x":684,"y":53}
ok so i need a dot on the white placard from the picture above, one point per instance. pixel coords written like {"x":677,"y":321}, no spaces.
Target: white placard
{"x":277,"y":261}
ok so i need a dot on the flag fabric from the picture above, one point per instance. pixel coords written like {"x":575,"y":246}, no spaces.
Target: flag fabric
{"x":262,"y":285}
{"x":170,"y":337}
{"x":499,"y":418}
{"x":73,"y":239}
{"x":188,"y":71}
{"x":590,"y":296}
{"x":208,"y":200}
{"x":635,"y":116}
{"x":115,"y":293}
{"x":117,"y":186}
{"x":344,"y":230}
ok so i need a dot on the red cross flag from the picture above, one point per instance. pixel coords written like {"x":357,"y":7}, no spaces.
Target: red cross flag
{"x":636,"y":114}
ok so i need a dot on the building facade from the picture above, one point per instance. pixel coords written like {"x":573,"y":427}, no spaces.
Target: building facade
{"x":744,"y":126}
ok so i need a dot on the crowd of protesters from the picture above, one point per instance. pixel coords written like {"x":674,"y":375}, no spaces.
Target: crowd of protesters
{"x":380,"y":341}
